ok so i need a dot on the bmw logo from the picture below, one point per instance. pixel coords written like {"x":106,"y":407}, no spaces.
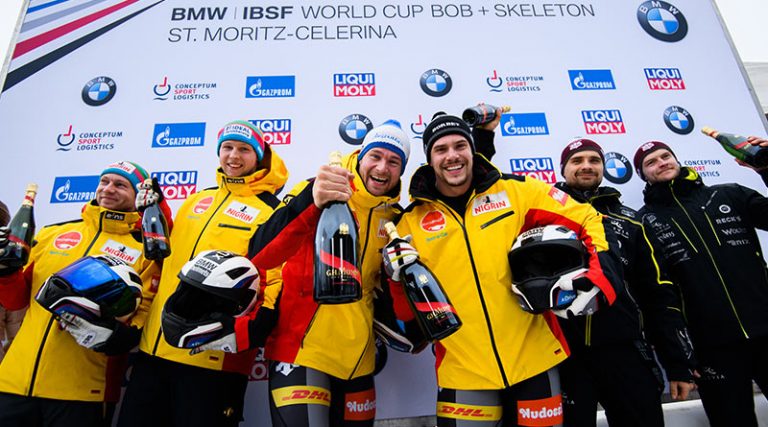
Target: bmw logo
{"x":662,"y":21}
{"x":353,"y":128}
{"x":618,"y":168}
{"x":99,"y":91}
{"x":436,"y":82}
{"x":678,"y":120}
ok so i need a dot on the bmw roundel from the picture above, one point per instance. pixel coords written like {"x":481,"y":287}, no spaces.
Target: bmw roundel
{"x":618,"y":168}
{"x":678,"y":120}
{"x":353,"y":128}
{"x":662,"y":21}
{"x":436,"y":82}
{"x":99,"y":91}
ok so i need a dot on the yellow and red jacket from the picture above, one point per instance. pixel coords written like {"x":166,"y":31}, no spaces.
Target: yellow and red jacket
{"x":333,"y":338}
{"x":44,"y":360}
{"x":218,"y":218}
{"x":498,"y":344}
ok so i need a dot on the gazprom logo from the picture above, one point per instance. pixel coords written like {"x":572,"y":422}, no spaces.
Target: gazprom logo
{"x":276,"y":131}
{"x":177,"y":185}
{"x":524,"y":124}
{"x":74,"y":189}
{"x":591,"y":80}
{"x":270,"y":86}
{"x":178,"y":135}
{"x":354,"y":84}
{"x":603,"y":121}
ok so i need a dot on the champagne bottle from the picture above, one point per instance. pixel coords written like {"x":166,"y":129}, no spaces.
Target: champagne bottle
{"x":434,"y":312}
{"x":21,"y":230}
{"x":481,"y":114}
{"x":337,"y":270}
{"x":154,"y":228}
{"x":738,"y":147}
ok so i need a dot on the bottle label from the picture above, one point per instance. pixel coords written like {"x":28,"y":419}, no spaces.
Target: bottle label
{"x":156,"y":236}
{"x":339,"y":268}
{"x":19,"y":242}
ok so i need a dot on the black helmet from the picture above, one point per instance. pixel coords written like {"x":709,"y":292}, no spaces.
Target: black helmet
{"x":215,"y":287}
{"x":542,"y":260}
{"x":94,"y":287}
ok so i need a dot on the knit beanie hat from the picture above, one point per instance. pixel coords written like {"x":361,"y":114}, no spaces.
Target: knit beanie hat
{"x":128,"y":170}
{"x":577,"y":145}
{"x":243,"y":131}
{"x":388,"y":135}
{"x":643,"y":152}
{"x":441,"y":125}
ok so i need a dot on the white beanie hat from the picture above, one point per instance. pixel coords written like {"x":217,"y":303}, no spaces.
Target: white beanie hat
{"x":388,"y":135}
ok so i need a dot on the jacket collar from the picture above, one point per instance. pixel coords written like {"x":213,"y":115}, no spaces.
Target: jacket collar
{"x":601,"y":196}
{"x":270,"y":177}
{"x":116,"y":222}
{"x":687,"y":181}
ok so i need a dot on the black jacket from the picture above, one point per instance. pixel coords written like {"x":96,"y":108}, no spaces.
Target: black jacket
{"x":707,"y":238}
{"x":623,"y":322}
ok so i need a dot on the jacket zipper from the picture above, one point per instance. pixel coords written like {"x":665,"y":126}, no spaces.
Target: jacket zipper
{"x":480,"y":294}
{"x":160,"y":330}
{"x":50,"y":322}
{"x":714,"y":264}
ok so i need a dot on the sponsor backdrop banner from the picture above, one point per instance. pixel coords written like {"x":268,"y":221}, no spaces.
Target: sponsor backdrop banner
{"x":152,"y":81}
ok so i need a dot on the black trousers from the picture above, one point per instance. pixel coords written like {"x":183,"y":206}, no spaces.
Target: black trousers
{"x":23,"y":411}
{"x":303,"y":397}
{"x":168,"y":394}
{"x":726,"y":379}
{"x":626,"y":383}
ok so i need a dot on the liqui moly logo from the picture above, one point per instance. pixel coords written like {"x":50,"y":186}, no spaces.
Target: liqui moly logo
{"x":603,"y":121}
{"x":541,"y":168}
{"x":276,"y":131}
{"x":177,"y":185}
{"x":664,"y":79}
{"x":354,"y":84}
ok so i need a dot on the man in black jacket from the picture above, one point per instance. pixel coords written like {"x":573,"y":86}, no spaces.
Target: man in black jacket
{"x":611,"y":361}
{"x":707,"y":237}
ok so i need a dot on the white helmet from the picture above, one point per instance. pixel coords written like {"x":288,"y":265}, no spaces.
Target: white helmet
{"x":544,"y":260}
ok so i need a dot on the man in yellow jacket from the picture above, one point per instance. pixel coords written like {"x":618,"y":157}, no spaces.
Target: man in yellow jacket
{"x":47,"y":378}
{"x":500,"y":365}
{"x":168,"y":385}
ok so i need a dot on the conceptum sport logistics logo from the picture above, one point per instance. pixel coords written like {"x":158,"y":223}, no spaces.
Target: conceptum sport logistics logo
{"x":602,"y":121}
{"x":275,"y":131}
{"x":354,"y":84}
{"x":418,"y":127}
{"x":177,"y":185}
{"x":178,"y":135}
{"x":353,"y":128}
{"x":521,"y":83}
{"x":99,"y":140}
{"x":618,"y":168}
{"x":270,"y":86}
{"x":436,"y":82}
{"x":74,"y":189}
{"x":662,"y":21}
{"x":185,"y":91}
{"x":664,"y":79}
{"x":524,"y":124}
{"x":99,"y":91}
{"x":678,"y":120}
{"x":591,"y":80}
{"x":541,"y":168}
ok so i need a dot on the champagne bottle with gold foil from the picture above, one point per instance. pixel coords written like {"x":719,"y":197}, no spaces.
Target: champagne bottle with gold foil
{"x":154,"y":228}
{"x":481,"y":114}
{"x":433,"y":310}
{"x":21,"y":230}
{"x":336,"y":266}
{"x":738,"y":147}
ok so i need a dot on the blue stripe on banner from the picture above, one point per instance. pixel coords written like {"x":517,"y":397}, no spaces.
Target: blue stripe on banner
{"x":45,"y":5}
{"x":31,"y":25}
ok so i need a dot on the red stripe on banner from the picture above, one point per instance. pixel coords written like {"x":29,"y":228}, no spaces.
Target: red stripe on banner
{"x":49,"y":36}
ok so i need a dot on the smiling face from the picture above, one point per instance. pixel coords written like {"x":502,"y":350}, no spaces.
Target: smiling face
{"x":380,"y":170}
{"x":451,"y":159}
{"x":237,"y":158}
{"x":660,"y":166}
{"x":584,"y":170}
{"x":115,"y":193}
